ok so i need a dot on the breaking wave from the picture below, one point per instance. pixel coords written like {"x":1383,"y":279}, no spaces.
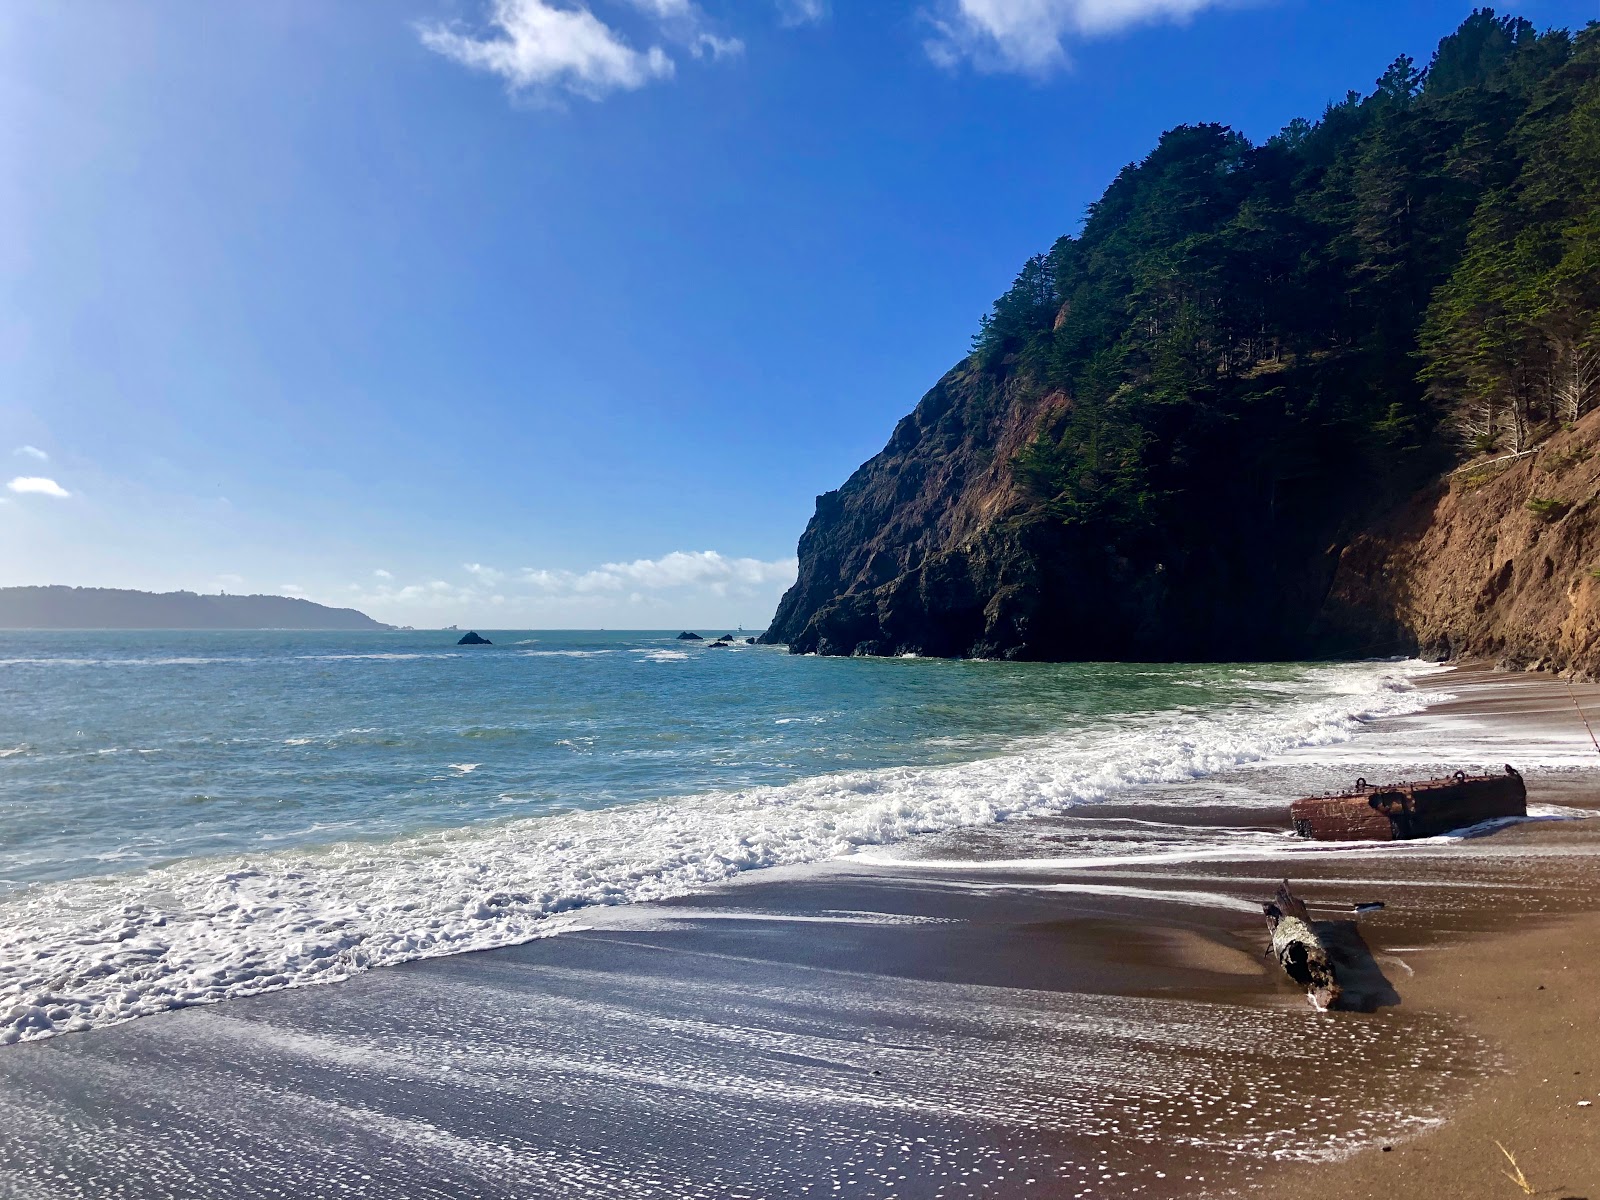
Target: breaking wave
{"x":91,"y":952}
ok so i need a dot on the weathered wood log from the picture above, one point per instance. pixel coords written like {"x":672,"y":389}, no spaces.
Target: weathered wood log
{"x":1298,"y":949}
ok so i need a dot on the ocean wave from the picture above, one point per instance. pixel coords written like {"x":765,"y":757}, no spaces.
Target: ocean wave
{"x":393,"y":656}
{"x":92,"y":952}
{"x":171,"y":661}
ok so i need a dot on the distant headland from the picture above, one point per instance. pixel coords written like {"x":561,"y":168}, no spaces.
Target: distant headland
{"x":118,"y":608}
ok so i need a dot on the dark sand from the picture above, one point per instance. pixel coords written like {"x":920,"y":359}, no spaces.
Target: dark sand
{"x":969,"y":1028}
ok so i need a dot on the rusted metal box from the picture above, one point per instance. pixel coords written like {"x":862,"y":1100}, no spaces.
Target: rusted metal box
{"x":1396,"y":811}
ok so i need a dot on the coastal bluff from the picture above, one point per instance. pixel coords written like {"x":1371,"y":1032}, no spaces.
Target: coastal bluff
{"x":118,"y":608}
{"x":1328,"y":395}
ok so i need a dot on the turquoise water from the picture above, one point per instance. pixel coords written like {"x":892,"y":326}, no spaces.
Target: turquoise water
{"x":125,"y":750}
{"x":188,"y":816}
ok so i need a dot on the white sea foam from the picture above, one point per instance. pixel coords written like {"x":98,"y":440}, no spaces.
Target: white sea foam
{"x":92,"y":952}
{"x":464,"y":768}
{"x":389,"y":657}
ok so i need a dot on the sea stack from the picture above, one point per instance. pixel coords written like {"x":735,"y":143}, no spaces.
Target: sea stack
{"x":472,"y":639}
{"x":686,"y":636}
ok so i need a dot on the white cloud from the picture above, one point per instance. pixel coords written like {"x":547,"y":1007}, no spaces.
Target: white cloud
{"x":544,"y":46}
{"x":682,"y":21}
{"x":802,"y":12}
{"x":38,"y":485}
{"x":688,"y":584}
{"x":1026,"y":35}
{"x":668,"y":10}
{"x":33,"y":452}
{"x":293,"y":590}
{"x":380,"y":573}
{"x":704,"y":569}
{"x":710,"y":45}
{"x":536,"y":44}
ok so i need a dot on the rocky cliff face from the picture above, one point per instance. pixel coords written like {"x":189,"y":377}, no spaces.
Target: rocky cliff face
{"x":934,"y":547}
{"x":1500,"y":560}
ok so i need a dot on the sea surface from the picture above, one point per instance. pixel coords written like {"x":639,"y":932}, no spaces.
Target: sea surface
{"x":186,"y":817}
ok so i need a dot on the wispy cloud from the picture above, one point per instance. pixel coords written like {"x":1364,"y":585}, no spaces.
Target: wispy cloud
{"x":1027,"y":36}
{"x":33,"y":452}
{"x":38,"y":485}
{"x":702,"y":569}
{"x":380,"y":573}
{"x":688,"y":581}
{"x":550,"y":46}
{"x":533,"y":44}
{"x":802,"y":12}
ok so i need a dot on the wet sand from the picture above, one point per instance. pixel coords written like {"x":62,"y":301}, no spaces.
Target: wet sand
{"x":1010,"y":1011}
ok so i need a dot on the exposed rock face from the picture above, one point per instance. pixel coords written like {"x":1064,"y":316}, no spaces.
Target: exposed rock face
{"x":933,"y":547}
{"x":472,"y":639}
{"x":686,"y":636}
{"x":1498,"y":561}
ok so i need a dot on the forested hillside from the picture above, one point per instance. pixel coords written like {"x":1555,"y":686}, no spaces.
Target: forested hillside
{"x":1173,"y":424}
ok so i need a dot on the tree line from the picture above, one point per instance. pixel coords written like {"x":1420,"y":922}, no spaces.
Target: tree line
{"x":1412,"y":276}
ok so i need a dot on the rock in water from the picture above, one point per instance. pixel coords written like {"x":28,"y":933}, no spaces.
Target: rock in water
{"x":686,"y":636}
{"x":472,"y":639}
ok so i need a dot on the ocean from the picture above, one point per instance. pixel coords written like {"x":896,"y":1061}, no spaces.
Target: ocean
{"x":188,"y":817}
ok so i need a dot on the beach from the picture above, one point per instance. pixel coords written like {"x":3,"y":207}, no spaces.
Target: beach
{"x":1003,"y":1010}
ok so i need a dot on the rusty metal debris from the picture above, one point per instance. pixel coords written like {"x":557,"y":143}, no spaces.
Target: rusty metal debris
{"x":1397,"y":811}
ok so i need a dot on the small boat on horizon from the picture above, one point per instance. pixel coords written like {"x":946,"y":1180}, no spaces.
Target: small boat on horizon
{"x":1395,"y":812}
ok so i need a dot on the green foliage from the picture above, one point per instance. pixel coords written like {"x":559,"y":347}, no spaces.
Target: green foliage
{"x":1560,"y":460}
{"x":1236,"y":324}
{"x":1547,"y":509}
{"x":1476,"y":53}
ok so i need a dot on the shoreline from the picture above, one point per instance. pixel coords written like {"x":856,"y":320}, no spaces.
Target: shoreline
{"x":980,"y":1014}
{"x":1529,"y":984}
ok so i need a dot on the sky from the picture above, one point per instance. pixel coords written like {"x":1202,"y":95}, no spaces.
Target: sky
{"x":548,"y":313}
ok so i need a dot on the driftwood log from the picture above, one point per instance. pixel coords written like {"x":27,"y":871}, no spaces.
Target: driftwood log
{"x":1298,"y":948}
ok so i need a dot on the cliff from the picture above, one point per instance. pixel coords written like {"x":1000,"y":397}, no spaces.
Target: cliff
{"x":116,"y":608}
{"x":936,"y":547}
{"x":1499,"y":560}
{"x":1214,"y":423}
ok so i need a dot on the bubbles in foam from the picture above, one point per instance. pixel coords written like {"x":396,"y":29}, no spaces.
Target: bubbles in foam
{"x":90,"y":952}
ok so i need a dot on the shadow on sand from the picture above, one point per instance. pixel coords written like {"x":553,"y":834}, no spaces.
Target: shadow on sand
{"x":1364,"y":986}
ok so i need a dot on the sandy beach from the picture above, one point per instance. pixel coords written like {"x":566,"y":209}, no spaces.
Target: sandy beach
{"x":1007,"y":1011}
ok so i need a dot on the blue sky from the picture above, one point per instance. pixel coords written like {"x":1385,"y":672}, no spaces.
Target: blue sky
{"x":533,"y":313}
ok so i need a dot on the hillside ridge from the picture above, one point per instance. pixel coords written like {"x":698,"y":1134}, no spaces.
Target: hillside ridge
{"x":60,"y":607}
{"x":1213,"y":425}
